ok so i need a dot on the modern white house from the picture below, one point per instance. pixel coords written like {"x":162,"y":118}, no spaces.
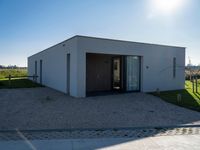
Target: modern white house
{"x":83,"y":65}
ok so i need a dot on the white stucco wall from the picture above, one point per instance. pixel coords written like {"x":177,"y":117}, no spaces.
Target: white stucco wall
{"x":55,"y":66}
{"x":158,"y":58}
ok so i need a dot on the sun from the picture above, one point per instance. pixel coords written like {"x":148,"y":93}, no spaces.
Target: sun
{"x":167,"y":6}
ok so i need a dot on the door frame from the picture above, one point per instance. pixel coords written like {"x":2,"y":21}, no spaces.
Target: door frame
{"x":123,"y":73}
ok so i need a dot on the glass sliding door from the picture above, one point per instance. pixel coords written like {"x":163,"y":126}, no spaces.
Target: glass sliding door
{"x":132,"y":73}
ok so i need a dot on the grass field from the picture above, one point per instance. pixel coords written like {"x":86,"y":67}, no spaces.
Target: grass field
{"x":16,"y":82}
{"x":14,"y":72}
{"x":189,"y":99}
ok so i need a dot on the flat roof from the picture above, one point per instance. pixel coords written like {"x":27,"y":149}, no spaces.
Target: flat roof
{"x":117,"y":40}
{"x":108,"y":39}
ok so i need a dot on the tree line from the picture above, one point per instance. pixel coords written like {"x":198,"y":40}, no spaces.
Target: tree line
{"x":11,"y":67}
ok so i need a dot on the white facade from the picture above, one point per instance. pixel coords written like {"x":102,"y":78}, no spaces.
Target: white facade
{"x":157,"y":64}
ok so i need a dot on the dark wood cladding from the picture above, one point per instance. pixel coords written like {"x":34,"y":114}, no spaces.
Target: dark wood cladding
{"x":98,"y":72}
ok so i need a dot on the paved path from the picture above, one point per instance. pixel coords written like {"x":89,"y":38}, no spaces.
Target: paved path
{"x":178,"y":142}
{"x":44,"y":108}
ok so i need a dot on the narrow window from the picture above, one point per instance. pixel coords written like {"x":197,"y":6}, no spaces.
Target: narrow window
{"x":35,"y":71}
{"x":35,"y":67}
{"x":40,"y":71}
{"x":174,"y":67}
{"x":68,"y":73}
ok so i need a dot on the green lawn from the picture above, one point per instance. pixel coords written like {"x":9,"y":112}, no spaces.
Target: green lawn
{"x":18,"y":83}
{"x":189,"y":99}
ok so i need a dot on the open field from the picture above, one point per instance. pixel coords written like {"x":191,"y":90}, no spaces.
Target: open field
{"x":189,"y":99}
{"x":15,"y":82}
{"x":14,"y":72}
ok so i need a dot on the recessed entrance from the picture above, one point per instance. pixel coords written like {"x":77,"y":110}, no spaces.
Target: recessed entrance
{"x":112,"y":73}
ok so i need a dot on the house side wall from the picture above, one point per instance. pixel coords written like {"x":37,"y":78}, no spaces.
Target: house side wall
{"x":156,"y":68}
{"x":54,"y":73}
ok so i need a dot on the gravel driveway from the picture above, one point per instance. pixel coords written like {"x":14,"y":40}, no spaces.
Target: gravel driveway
{"x":44,"y":108}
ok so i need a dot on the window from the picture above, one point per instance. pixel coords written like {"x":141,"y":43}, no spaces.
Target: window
{"x":40,"y":71}
{"x":68,"y":73}
{"x":35,"y":67}
{"x":174,"y":67}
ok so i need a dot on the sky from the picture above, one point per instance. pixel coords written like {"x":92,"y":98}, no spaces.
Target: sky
{"x":29,"y":26}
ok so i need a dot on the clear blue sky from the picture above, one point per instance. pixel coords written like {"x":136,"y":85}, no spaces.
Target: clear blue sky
{"x":29,"y":26}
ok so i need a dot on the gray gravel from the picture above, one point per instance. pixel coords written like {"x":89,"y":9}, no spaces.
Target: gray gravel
{"x":44,"y":108}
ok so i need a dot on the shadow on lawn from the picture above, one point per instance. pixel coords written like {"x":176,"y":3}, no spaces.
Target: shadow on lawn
{"x":188,"y":99}
{"x":18,"y":83}
{"x":197,"y":95}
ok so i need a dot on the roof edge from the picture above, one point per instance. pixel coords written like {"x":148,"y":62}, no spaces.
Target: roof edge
{"x":110,"y":39}
{"x":54,"y":45}
{"x":83,"y":36}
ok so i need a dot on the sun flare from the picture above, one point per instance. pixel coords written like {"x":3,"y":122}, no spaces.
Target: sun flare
{"x":167,"y":6}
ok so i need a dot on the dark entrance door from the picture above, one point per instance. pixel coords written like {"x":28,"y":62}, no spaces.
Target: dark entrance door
{"x":116,"y":73}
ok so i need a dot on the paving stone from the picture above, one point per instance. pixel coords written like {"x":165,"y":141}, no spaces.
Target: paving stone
{"x":100,"y":133}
